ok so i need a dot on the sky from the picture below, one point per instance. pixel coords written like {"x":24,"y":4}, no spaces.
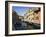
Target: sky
{"x":20,"y":10}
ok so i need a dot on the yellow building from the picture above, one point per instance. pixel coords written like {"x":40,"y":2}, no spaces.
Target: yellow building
{"x":28,"y":16}
{"x":32,"y":16}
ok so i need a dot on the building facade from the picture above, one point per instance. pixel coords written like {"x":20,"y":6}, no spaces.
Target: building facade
{"x":33,"y":16}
